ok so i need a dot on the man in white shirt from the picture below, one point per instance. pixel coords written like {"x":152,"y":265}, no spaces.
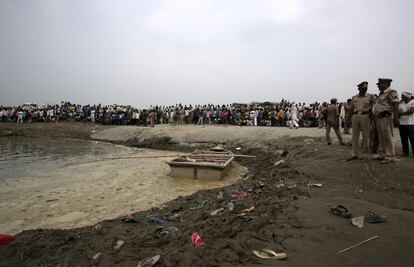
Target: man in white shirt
{"x":294,"y":116}
{"x":406,"y":118}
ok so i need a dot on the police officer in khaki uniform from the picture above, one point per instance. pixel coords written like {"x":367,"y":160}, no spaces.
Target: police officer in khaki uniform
{"x":361,"y":105}
{"x":386,"y":112}
{"x":348,"y":116}
{"x":332,"y":121}
{"x":322,"y":115}
{"x":373,"y":133}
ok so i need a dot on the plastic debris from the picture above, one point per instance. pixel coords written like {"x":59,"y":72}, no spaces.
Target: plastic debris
{"x":279,"y":185}
{"x":96,"y":256}
{"x":315,"y":184}
{"x":216,"y":211}
{"x":358,"y":221}
{"x":248,"y":210}
{"x":6,"y":239}
{"x":118,"y":244}
{"x":277,"y":163}
{"x":196,"y":240}
{"x":230,"y":205}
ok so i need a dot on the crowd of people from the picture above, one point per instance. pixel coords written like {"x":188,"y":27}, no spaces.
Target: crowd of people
{"x":374,"y":116}
{"x":284,"y":113}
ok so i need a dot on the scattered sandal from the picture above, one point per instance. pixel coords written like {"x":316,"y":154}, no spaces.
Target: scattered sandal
{"x":156,"y":219}
{"x":269,"y":254}
{"x":196,"y":240}
{"x":248,"y":210}
{"x":199,"y":205}
{"x":216,"y":211}
{"x":371,"y":217}
{"x":148,"y":262}
{"x":128,"y":218}
{"x":177,"y":210}
{"x":161,"y":231}
{"x":341,"y":211}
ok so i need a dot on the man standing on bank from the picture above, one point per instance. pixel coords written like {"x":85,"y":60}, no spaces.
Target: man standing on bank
{"x":332,"y":121}
{"x":406,"y":108}
{"x":348,"y":116}
{"x":386,"y":112}
{"x":361,"y":106}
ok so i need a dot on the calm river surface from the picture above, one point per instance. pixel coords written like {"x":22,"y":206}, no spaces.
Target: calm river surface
{"x":35,"y":157}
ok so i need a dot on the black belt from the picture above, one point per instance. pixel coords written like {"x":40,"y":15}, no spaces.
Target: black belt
{"x":359,"y":113}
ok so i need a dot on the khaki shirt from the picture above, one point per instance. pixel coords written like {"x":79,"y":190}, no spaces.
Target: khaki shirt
{"x":362,"y":104}
{"x":385,"y":101}
{"x":348,"y":110}
{"x":322,"y":111}
{"x":332,"y":114}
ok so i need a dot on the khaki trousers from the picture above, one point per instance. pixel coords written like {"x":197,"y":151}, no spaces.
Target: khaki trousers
{"x":386,"y":146}
{"x":360,"y":123}
{"x":347,"y":124}
{"x":337,"y":131}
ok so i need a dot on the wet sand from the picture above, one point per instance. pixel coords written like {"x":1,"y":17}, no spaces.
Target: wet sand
{"x":84,"y":194}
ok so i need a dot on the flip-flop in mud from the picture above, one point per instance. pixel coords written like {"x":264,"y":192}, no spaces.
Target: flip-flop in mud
{"x":371,"y":217}
{"x":269,"y":254}
{"x":177,"y":210}
{"x":248,"y":210}
{"x":129,"y":218}
{"x":216,"y":211}
{"x":164,"y":231}
{"x":148,"y":262}
{"x":199,"y":205}
{"x":341,"y":211}
{"x":196,"y":240}
{"x":156,"y":219}
{"x":174,"y":218}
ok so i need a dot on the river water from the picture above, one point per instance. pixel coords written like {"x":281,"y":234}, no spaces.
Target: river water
{"x":35,"y":157}
{"x":65,"y":183}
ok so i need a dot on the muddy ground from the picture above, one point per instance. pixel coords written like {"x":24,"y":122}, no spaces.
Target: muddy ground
{"x":293,"y":218}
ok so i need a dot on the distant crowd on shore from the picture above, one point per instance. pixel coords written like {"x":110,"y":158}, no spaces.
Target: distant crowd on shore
{"x":283,"y":113}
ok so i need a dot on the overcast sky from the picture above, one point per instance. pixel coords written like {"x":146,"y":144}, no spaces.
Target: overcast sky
{"x":213,"y":51}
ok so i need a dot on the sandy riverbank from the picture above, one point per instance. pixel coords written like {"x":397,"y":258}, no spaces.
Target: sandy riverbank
{"x":85,"y":194}
{"x":293,"y":218}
